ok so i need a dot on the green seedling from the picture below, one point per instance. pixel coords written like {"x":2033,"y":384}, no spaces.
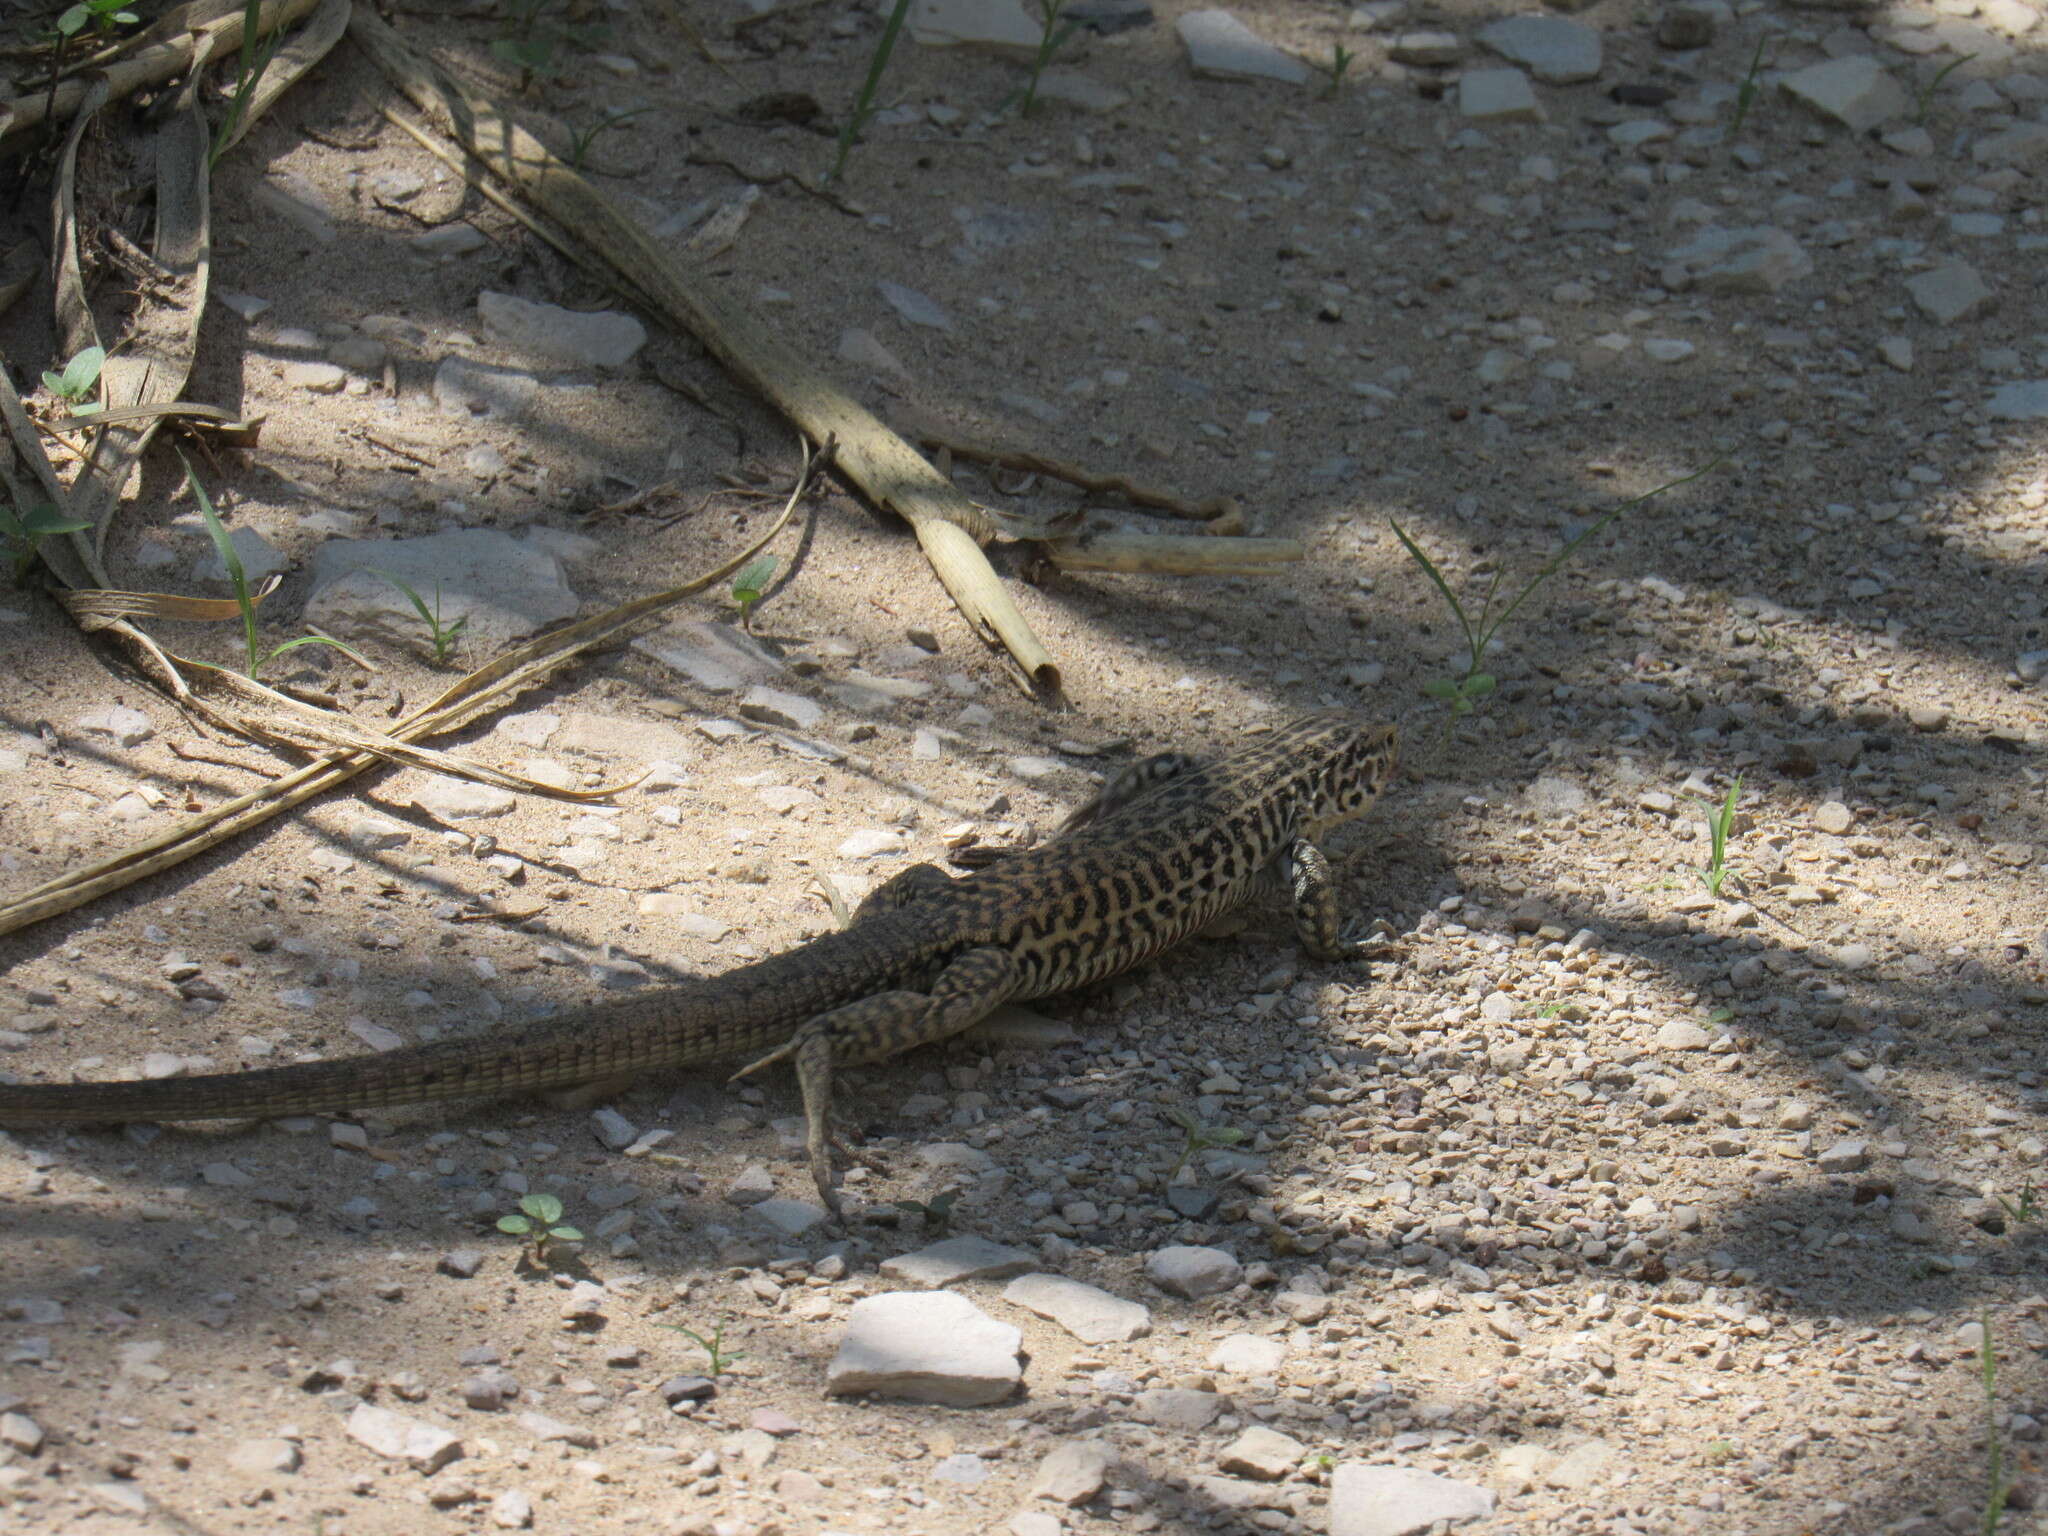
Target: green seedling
{"x":714,"y":1347}
{"x":25,"y":532}
{"x":74,"y":386}
{"x":539,"y":1219}
{"x":445,"y":635}
{"x":1335,"y":69}
{"x":2024,"y":1211}
{"x":1198,"y":1136}
{"x":1052,"y":37}
{"x":532,"y":47}
{"x":1721,"y":1016}
{"x":1996,"y":1487}
{"x":937,"y":1211}
{"x":1746,"y":93}
{"x":748,"y":586}
{"x":1926,"y":97}
{"x":1719,"y":1453}
{"x":1717,"y":834}
{"x":584,"y":138}
{"x":864,"y":105}
{"x":102,"y":15}
{"x":1464,"y":693}
{"x":250,"y":64}
{"x":238,"y":578}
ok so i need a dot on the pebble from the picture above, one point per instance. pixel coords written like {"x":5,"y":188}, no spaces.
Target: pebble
{"x":1833,"y":818}
{"x":400,"y":1437}
{"x":1262,"y":1453}
{"x":1187,"y":1409}
{"x":1247,"y":1354}
{"x":1193,"y":1272}
{"x":264,"y":1456}
{"x":1072,"y":1473}
{"x":1090,"y":1314}
{"x":1223,"y":48}
{"x":957,"y":1258}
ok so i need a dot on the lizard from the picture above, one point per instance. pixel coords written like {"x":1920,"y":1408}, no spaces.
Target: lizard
{"x":1167,"y":846}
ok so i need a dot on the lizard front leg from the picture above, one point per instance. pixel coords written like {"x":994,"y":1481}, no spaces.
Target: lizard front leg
{"x":1318,"y":922}
{"x":884,"y":1025}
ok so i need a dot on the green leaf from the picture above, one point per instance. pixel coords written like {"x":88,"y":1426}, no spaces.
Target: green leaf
{"x":518,"y":1226}
{"x":749,"y":584}
{"x":545,"y":1209}
{"x":70,"y":21}
{"x":82,"y":372}
{"x":42,"y":520}
{"x":1180,"y":1117}
{"x":565,"y":1234}
{"x":1479,"y":685}
{"x":1225,"y":1136}
{"x":1442,"y":688}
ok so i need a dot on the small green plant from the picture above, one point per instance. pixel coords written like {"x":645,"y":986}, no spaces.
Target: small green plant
{"x":714,"y":1347}
{"x":238,"y":578}
{"x":537,"y":37}
{"x":1926,"y":97}
{"x":74,"y":386}
{"x":1746,"y":93}
{"x":937,"y":1211}
{"x":1718,"y":824}
{"x":25,"y":532}
{"x":748,"y":586}
{"x":539,"y":1219}
{"x":1997,"y":1489}
{"x":1719,"y":1453}
{"x":445,"y":635}
{"x":1464,"y":693}
{"x":1321,"y":1461}
{"x":102,"y":15}
{"x":250,"y":64}
{"x":864,"y":105}
{"x":2024,"y":1211}
{"x":583,"y":138}
{"x":1052,"y":37}
{"x":1198,"y":1137}
{"x":1335,"y":69}
{"x":1721,"y":1016}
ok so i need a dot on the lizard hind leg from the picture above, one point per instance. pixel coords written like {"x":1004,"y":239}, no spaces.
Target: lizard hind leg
{"x":879,"y":1026}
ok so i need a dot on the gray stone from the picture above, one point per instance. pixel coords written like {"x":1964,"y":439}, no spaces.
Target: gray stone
{"x":1399,"y":1501}
{"x":447,"y":799}
{"x":716,"y":657}
{"x":1193,"y":1272}
{"x":1426,"y":50}
{"x":614,"y":1129}
{"x":299,"y":201}
{"x":957,"y":1258}
{"x":2023,"y":148}
{"x":400,"y":1437}
{"x":1688,"y":24}
{"x":1072,"y":1473}
{"x":1758,"y":259}
{"x":1090,"y":1314}
{"x":465,"y":387}
{"x":927,"y":1346}
{"x":1851,"y":1156}
{"x":264,"y":1456}
{"x":512,"y":1510}
{"x":123,"y":726}
{"x":605,"y":338}
{"x":1224,"y":48}
{"x":1262,"y":1453}
{"x":2022,"y":401}
{"x":260,"y":558}
{"x":994,"y":26}
{"x":1855,"y":92}
{"x":1181,"y":1408}
{"x":772,"y":706}
{"x":792,"y":1218}
{"x":503,"y":588}
{"x":1683,"y":1035}
{"x":1247,"y":1354}
{"x":1586,"y":1465}
{"x":1951,"y":293}
{"x":448,"y":241}
{"x":915,"y":308}
{"x":1555,"y":51}
{"x":1498,"y":95}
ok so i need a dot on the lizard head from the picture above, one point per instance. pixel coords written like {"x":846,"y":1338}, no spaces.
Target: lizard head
{"x":1345,"y":761}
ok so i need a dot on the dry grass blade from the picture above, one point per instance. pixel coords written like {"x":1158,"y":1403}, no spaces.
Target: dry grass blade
{"x":490,"y":684}
{"x":609,"y":243}
{"x":93,"y":608}
{"x":293,"y":60}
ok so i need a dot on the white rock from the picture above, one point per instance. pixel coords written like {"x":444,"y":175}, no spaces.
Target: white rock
{"x":1855,"y":92}
{"x":1262,"y":1453}
{"x":1949,"y":293}
{"x":464,"y":387}
{"x":447,"y":799}
{"x":1758,"y":259}
{"x":1090,"y":1314}
{"x":957,"y":1258}
{"x":1247,"y":1354}
{"x":512,"y":1510}
{"x":1851,"y":1156}
{"x":1555,"y":51}
{"x":264,"y":1456}
{"x":1182,"y":1408}
{"x":716,"y":657}
{"x":2026,"y":400}
{"x":1193,"y":1272}
{"x":1399,"y":1501}
{"x":1667,"y":349}
{"x":927,"y":1346}
{"x":504,"y":589}
{"x":260,"y":558}
{"x":605,"y":338}
{"x":995,"y":26}
{"x":1498,"y":95}
{"x":792,"y":1218}
{"x":1585,"y":1465}
{"x":1224,"y":48}
{"x":914,"y":307}
{"x":772,"y":706}
{"x":1683,"y":1035}
{"x":121,"y":725}
{"x":402,"y":1437}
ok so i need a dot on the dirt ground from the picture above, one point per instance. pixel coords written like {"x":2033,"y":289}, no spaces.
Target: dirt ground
{"x":1643,"y":1209}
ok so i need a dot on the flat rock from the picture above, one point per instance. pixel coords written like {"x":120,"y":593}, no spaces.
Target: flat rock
{"x":772,"y":706}
{"x":792,"y":1218}
{"x":400,"y":1437}
{"x":1247,"y":1354}
{"x":465,"y":387}
{"x":264,"y":1456}
{"x":994,"y":26}
{"x":957,"y":1258}
{"x":1758,"y":259}
{"x":926,"y":1346}
{"x":1089,"y":1313}
{"x":2022,"y":148}
{"x":1222,"y":47}
{"x":1183,"y":1408}
{"x":504,"y":588}
{"x":1072,"y":1473}
{"x":1193,"y":1272}
{"x":1262,"y":1453}
{"x":716,"y":657}
{"x":1399,"y":1501}
{"x":447,"y":799}
{"x":1856,"y":92}
{"x":118,"y":723}
{"x":2025,"y":400}
{"x":1949,"y":293}
{"x":1498,"y":95}
{"x":605,"y":338}
{"x":1555,"y":51}
{"x":260,"y":558}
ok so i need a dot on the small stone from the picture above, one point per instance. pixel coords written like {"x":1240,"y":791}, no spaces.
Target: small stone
{"x":1833,"y":818}
{"x":1247,"y":1354}
{"x":1427,"y":50}
{"x":957,"y":1258}
{"x":792,"y":1218}
{"x":264,"y":1456}
{"x":21,"y":1433}
{"x":594,"y":339}
{"x":401,"y":1437}
{"x":926,"y":1346}
{"x":1181,"y":1408}
{"x":1949,"y":293}
{"x":772,"y":706}
{"x":1262,"y":1453}
{"x":1498,"y":95}
{"x":1193,"y":1272}
{"x":1682,"y":1035}
{"x":1399,"y":1501}
{"x":512,"y":1510}
{"x":1555,"y":51}
{"x":613,"y":1129}
{"x":1928,"y":717}
{"x":462,"y":1263}
{"x":1090,"y":1314}
{"x":1666,"y":349}
{"x":315,"y":378}
{"x":1851,"y":1156}
{"x":1586,"y":1465}
{"x":1072,"y":1473}
{"x":121,"y":725}
{"x":753,"y":1185}
{"x":1223,"y":48}
{"x":1854,"y":91}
